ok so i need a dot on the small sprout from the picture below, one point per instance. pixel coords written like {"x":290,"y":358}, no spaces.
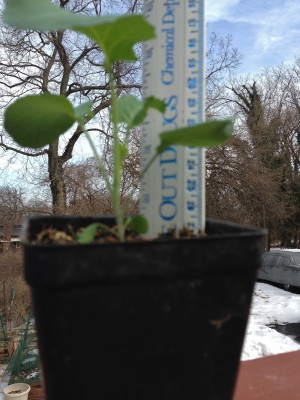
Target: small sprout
{"x":138,"y":224}
{"x":88,"y":235}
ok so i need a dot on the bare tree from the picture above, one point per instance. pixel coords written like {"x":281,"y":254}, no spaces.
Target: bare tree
{"x":267,"y":154}
{"x":64,"y":63}
{"x":222,"y":60}
{"x":12,"y":205}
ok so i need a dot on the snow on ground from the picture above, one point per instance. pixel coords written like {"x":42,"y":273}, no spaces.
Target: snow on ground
{"x":270,"y":305}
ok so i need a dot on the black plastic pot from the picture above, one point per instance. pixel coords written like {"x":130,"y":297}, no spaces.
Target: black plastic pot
{"x":142,"y":321}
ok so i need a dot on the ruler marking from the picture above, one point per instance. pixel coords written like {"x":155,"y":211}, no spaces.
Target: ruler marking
{"x":174,"y":70}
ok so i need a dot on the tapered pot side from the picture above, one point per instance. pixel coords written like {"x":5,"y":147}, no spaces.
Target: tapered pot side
{"x":148,"y":320}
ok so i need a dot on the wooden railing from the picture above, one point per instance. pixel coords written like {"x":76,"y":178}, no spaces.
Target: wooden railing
{"x":270,"y":378}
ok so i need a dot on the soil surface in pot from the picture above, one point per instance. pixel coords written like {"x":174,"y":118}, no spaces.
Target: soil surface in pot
{"x":69,"y":235}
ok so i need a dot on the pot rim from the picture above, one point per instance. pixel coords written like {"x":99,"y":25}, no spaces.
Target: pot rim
{"x":230,"y":230}
{"x":22,"y":386}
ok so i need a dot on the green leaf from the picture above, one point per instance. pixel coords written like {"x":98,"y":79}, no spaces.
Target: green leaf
{"x":36,"y":121}
{"x":149,"y":102}
{"x":133,"y":111}
{"x":88,"y":234}
{"x":154,"y":102}
{"x":116,"y":35}
{"x":127,"y":107}
{"x":44,"y":16}
{"x":83,"y":111}
{"x":208,"y":134}
{"x":139,"y":224}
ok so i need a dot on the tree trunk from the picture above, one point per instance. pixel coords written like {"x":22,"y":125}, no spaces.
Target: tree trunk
{"x":56,"y":178}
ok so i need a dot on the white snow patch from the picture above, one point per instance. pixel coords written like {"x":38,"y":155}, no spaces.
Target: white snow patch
{"x":270,"y":305}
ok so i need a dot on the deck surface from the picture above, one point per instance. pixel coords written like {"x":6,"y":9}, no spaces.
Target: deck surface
{"x":274,"y":377}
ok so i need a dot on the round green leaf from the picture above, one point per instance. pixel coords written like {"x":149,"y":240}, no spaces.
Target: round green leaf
{"x":36,"y":121}
{"x":139,"y":224}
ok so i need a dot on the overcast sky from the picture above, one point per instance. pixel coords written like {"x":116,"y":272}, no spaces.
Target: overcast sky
{"x":266,"y":32}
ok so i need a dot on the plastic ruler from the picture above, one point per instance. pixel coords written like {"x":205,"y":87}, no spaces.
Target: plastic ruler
{"x":173,"y":189}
